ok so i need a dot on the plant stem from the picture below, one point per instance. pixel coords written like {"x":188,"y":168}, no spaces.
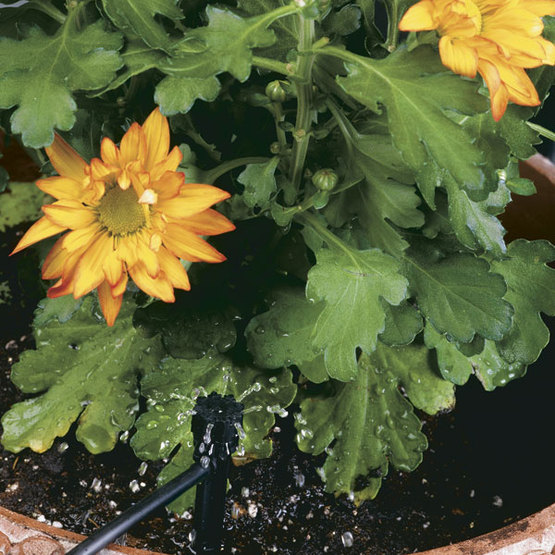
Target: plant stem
{"x":48,"y":9}
{"x":304,"y":101}
{"x":280,"y":133}
{"x":546,"y":133}
{"x":392,"y":25}
{"x":330,"y":238}
{"x":212,"y":175}
{"x":272,"y":65}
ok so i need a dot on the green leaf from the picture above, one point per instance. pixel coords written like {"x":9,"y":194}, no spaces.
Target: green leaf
{"x":178,"y":94}
{"x":21,"y":203}
{"x":369,"y":423}
{"x":414,"y":87}
{"x":171,"y":391}
{"x":458,"y":294}
{"x":259,"y":182}
{"x":352,"y":284}
{"x":227,"y":42}
{"x":531,"y":290}
{"x":521,"y":186}
{"x":193,"y":325}
{"x":285,"y":28}
{"x":282,"y":336}
{"x":40,"y":73}
{"x":137,"y":17}
{"x":402,"y":324}
{"x":344,"y":21}
{"x":414,"y":367}
{"x":472,"y":222}
{"x":138,"y":58}
{"x":87,"y":372}
{"x":488,"y":365}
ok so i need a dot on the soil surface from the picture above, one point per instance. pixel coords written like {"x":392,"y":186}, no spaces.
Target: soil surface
{"x":488,"y":465}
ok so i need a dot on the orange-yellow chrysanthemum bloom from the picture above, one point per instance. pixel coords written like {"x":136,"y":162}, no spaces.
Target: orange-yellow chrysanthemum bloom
{"x":128,"y":214}
{"x":495,"y":38}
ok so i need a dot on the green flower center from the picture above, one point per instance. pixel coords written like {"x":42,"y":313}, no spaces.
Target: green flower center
{"x":120,"y":212}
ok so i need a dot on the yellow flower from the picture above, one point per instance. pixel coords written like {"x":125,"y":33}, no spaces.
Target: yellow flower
{"x":127,"y":214}
{"x":495,"y":38}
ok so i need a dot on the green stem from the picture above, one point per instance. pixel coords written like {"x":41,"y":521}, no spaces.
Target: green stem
{"x":280,"y":133}
{"x":344,"y":124}
{"x":272,"y":65}
{"x":48,"y":9}
{"x":212,"y":175}
{"x":330,"y":238}
{"x":392,"y":25}
{"x":304,"y":101}
{"x":542,"y":130}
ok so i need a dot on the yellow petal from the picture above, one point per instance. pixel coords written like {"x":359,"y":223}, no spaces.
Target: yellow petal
{"x":119,"y":288}
{"x":109,"y":305}
{"x":113,"y":268}
{"x":54,"y":262}
{"x":65,"y":159}
{"x":188,"y":246}
{"x":148,"y":257}
{"x":61,"y":187}
{"x":89,"y":273}
{"x":109,"y":152}
{"x":174,"y":270}
{"x":159,"y":287}
{"x":458,"y":56}
{"x":209,"y":222}
{"x":419,"y":17}
{"x":168,"y":164}
{"x":79,"y":238}
{"x":169,"y":184}
{"x":70,"y":214}
{"x":157,"y":135}
{"x":42,"y":229}
{"x":193,"y":199}
{"x":133,"y":145}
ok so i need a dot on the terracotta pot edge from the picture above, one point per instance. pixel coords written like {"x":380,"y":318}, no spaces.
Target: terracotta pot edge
{"x":532,"y":535}
{"x":31,"y":524}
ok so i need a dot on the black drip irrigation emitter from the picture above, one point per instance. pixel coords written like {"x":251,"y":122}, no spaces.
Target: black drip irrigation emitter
{"x":214,"y":426}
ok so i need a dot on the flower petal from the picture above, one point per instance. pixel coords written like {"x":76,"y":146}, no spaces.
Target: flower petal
{"x":65,"y":159}
{"x":419,"y":17}
{"x":147,"y":256}
{"x":458,"y":56}
{"x":159,"y":287}
{"x":169,"y":184}
{"x":89,"y":273}
{"x":69,"y":213}
{"x":188,"y":246}
{"x":109,"y":152}
{"x":113,"y":268}
{"x":209,"y":222}
{"x":157,"y":135}
{"x":168,"y":164}
{"x":173,"y":269}
{"x":54,"y":262}
{"x":193,"y":199}
{"x":109,"y":305}
{"x":61,"y":187}
{"x":41,"y":229}
{"x":80,"y":238}
{"x":133,"y":145}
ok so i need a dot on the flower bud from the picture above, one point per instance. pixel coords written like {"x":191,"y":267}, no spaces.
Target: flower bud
{"x":325,"y":179}
{"x":276,"y":92}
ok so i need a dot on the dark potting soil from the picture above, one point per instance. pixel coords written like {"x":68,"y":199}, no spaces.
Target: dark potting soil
{"x":489,"y":464}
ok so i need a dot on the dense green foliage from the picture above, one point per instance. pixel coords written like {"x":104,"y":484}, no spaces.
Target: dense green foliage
{"x":363,"y":300}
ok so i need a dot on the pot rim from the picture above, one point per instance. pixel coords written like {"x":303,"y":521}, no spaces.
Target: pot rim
{"x":532,"y":535}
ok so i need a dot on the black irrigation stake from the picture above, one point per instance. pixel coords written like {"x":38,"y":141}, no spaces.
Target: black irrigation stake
{"x":214,"y":426}
{"x":215,"y":438}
